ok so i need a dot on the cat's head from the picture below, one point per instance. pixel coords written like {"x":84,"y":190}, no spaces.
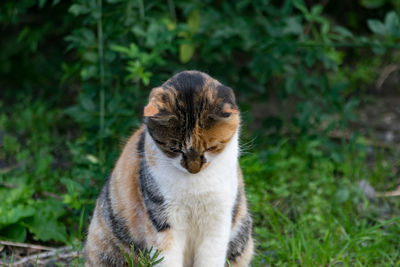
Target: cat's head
{"x":191,"y":118}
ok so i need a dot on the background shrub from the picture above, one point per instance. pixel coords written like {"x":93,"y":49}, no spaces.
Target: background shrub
{"x":75,"y":75}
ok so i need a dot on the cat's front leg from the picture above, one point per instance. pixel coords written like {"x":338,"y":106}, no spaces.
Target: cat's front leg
{"x":172,"y":249}
{"x":213,"y":245}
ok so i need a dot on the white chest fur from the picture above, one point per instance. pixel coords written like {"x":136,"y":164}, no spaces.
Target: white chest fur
{"x":199,"y":205}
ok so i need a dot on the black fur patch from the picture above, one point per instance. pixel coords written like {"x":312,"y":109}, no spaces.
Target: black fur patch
{"x":227,"y":95}
{"x":187,"y":81}
{"x":187,"y":84}
{"x":238,"y":243}
{"x":236,"y":205}
{"x":115,"y":222}
{"x":152,"y":197}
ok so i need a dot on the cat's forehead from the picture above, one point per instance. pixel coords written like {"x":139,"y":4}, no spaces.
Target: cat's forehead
{"x":192,"y":91}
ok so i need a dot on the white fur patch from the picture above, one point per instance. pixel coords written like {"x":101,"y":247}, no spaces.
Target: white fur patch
{"x":199,"y":205}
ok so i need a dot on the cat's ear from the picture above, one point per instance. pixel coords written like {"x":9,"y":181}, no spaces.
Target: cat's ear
{"x":154,"y":113}
{"x":225,"y":113}
{"x":151,"y":109}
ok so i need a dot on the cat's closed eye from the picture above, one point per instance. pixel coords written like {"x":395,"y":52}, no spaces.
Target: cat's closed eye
{"x":175,"y":150}
{"x":212,"y":148}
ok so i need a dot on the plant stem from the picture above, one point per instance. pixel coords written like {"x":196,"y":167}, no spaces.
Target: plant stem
{"x":141,"y":8}
{"x":171,"y":6}
{"x":101,"y":61}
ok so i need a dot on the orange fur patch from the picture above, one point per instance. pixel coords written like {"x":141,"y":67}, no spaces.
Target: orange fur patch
{"x":228,"y":109}
{"x":217,"y":136}
{"x":150,"y":110}
{"x":160,"y":98}
{"x":167,"y":240}
{"x":125,"y":187}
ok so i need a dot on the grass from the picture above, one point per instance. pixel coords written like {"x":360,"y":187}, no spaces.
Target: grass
{"x":142,"y":259}
{"x":303,"y":192}
{"x":309,"y":210}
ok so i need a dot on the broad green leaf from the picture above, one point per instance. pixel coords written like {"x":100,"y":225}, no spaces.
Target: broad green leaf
{"x":316,"y":10}
{"x":42,"y":3}
{"x":392,"y":24}
{"x":90,"y":56}
{"x":10,"y":144}
{"x":342,"y":195}
{"x":92,"y":159}
{"x":77,"y":9}
{"x":372,"y":3}
{"x":132,"y":51}
{"x":343,"y":31}
{"x":43,"y":163}
{"x":293,"y":26}
{"x":11,"y":215}
{"x":171,"y":25}
{"x":300,"y":5}
{"x":325,"y":28}
{"x":336,"y":56}
{"x":46,"y":228}
{"x":87,"y":103}
{"x":194,"y":21}
{"x":15,"y":232}
{"x":376,"y":26}
{"x":121,"y":49}
{"x":44,"y":224}
{"x":186,"y":52}
{"x":89,"y":72}
{"x":290,"y":84}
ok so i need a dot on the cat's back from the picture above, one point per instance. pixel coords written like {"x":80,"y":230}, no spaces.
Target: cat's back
{"x":118,"y":220}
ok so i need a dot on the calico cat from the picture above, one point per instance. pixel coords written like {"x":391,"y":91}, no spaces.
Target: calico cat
{"x":178,"y":186}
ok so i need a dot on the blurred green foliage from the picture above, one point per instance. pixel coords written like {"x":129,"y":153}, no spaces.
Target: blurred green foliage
{"x":76,"y":74}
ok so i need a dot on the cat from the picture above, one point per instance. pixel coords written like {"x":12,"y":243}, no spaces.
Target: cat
{"x":177,"y":186}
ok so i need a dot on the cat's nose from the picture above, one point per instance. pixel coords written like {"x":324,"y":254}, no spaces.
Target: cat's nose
{"x":192,"y":161}
{"x":194,"y":167}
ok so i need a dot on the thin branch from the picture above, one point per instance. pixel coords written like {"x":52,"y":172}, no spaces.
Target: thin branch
{"x":346,"y":135}
{"x":386,"y":73}
{"x":52,"y":195}
{"x":64,"y":252}
{"x":25,"y":245}
{"x":8,"y":168}
{"x":7,"y":185}
{"x":100,"y":47}
{"x":395,"y":193}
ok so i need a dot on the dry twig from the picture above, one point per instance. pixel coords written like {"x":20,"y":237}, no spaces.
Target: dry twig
{"x":395,"y":193}
{"x":24,"y":245}
{"x":60,"y":253}
{"x":386,"y":73}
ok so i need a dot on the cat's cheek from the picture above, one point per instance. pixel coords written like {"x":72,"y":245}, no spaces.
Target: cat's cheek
{"x":210,"y":156}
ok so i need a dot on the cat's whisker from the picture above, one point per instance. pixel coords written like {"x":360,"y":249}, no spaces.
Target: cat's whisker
{"x":244,"y":148}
